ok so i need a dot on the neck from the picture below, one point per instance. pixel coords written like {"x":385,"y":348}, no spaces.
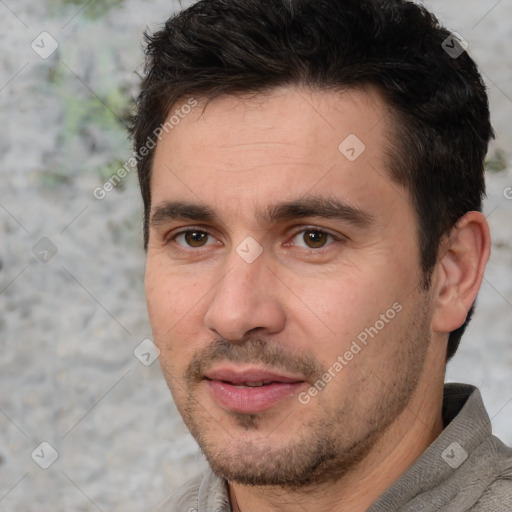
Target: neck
{"x":397,"y":449}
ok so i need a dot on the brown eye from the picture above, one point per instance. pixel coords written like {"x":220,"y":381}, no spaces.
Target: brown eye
{"x":315,"y":239}
{"x":192,"y":238}
{"x":196,"y":238}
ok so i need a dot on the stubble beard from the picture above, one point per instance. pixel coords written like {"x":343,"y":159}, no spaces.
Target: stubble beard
{"x":331,"y":444}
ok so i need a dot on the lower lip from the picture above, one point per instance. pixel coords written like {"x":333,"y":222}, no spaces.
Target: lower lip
{"x":252,"y":400}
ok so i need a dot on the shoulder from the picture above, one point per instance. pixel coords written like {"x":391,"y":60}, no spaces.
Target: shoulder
{"x":204,"y":493}
{"x":497,"y":497}
{"x":185,"y":498}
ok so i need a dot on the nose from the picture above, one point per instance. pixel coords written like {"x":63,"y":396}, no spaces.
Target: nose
{"x":245,"y":299}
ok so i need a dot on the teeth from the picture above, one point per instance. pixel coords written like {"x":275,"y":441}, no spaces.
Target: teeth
{"x":258,"y":384}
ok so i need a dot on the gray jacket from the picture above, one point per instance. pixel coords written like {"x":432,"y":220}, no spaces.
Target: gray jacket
{"x":465,"y":469}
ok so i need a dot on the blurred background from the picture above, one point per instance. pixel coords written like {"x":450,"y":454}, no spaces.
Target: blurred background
{"x":86,"y":420}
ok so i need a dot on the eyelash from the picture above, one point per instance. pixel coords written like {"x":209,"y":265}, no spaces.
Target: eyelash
{"x":305,"y":229}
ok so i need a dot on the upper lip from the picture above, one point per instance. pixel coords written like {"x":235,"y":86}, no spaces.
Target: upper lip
{"x":238,"y":376}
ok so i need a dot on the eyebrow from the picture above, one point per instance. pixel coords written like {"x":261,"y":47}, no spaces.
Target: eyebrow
{"x":311,"y":206}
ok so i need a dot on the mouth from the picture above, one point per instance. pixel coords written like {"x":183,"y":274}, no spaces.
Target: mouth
{"x":251,"y":390}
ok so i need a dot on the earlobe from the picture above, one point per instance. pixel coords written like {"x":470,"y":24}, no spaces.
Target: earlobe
{"x":460,"y":270}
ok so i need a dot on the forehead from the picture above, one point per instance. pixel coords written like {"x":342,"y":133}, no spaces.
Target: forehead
{"x":238,"y":152}
{"x":288,"y":115}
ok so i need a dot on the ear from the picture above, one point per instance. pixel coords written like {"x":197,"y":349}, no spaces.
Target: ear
{"x":460,"y":270}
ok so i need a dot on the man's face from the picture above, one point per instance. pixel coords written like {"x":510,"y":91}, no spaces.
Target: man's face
{"x":279,"y":257}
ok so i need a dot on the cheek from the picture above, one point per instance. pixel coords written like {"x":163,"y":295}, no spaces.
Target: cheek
{"x":158,"y":300}
{"x":343,"y":304}
{"x":339,"y":309}
{"x":168,"y":302}
{"x":175,"y":303}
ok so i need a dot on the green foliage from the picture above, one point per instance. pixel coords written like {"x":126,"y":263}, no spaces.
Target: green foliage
{"x":92,"y":9}
{"x":53,"y":179}
{"x":89,"y":82}
{"x":498,"y":162}
{"x":89,"y":121}
{"x":95,"y":107}
{"x":107,"y":171}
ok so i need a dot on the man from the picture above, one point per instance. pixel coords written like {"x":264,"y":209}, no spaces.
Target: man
{"x":312,"y":177}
